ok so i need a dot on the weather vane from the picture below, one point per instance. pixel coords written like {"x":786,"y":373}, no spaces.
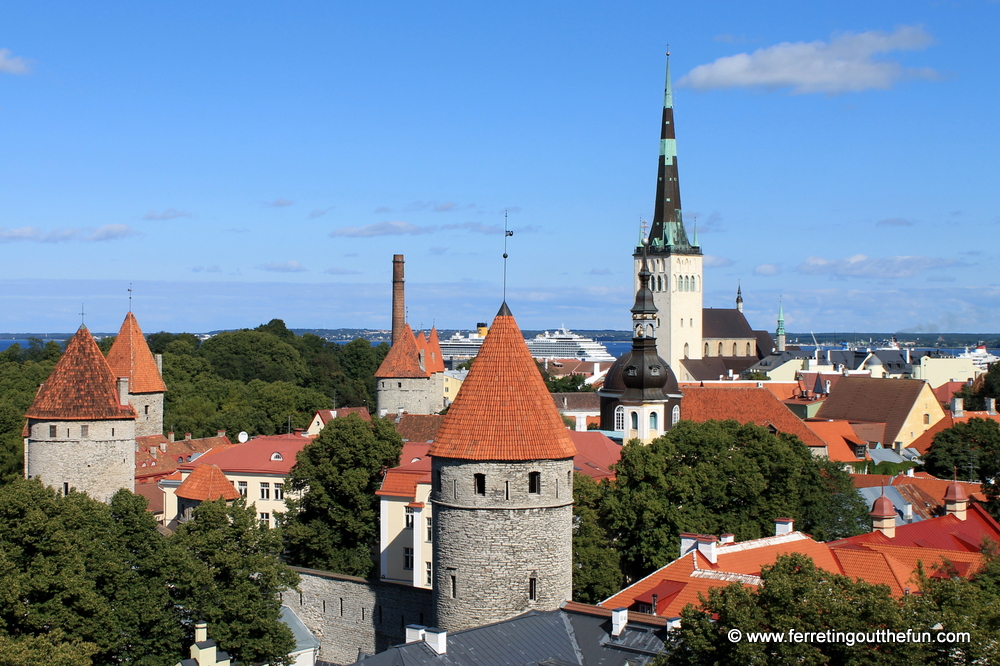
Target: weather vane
{"x":130,"y":297}
{"x":83,"y":313}
{"x":507,"y":233}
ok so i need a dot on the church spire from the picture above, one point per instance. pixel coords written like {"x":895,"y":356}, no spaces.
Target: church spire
{"x":739,"y":297}
{"x":668,"y":232}
{"x":780,"y":333}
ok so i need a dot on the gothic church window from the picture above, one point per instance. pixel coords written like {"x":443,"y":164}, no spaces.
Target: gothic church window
{"x":720,"y":349}
{"x":675,"y":415}
{"x":748,"y":349}
{"x":686,"y":347}
{"x":706,"y":349}
{"x":734,"y":349}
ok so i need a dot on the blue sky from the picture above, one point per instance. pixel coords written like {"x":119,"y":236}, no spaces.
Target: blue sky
{"x":239,"y":161}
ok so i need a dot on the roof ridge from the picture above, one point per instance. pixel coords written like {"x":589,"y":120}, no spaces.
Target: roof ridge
{"x":130,"y":357}
{"x":403,"y":358}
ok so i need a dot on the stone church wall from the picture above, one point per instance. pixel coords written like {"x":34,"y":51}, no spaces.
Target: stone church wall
{"x":350,"y":615}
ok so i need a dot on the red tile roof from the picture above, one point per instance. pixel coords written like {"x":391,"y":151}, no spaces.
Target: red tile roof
{"x":207,"y":482}
{"x":781,"y":390}
{"x":595,"y":454}
{"x":840,"y":439}
{"x":932,"y":487}
{"x":152,"y":462}
{"x":944,"y":532}
{"x":326,"y":415}
{"x":946,"y":392}
{"x":432,"y":355}
{"x":271,"y":454}
{"x":414,"y":468}
{"x":153,"y":494}
{"x":130,"y":357}
{"x":874,"y":400}
{"x":504,"y":411}
{"x":419,"y":427}
{"x":402,"y":361}
{"x":746,"y":405}
{"x":81,"y":386}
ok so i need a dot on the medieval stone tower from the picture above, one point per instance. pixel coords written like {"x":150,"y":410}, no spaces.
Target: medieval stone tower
{"x":130,"y":357}
{"x":81,"y":427}
{"x":675,"y":262}
{"x":502,"y":489}
{"x":411,"y":377}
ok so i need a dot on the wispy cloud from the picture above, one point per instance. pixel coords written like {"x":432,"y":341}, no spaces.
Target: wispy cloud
{"x":319,"y":212}
{"x":437,"y":250}
{"x":283,"y":267}
{"x":382,"y":210}
{"x":599,"y":271}
{"x":12,"y":64}
{"x":707,"y":225}
{"x":476,"y":227}
{"x":278,"y":203}
{"x":715,"y":261}
{"x":766,"y":270}
{"x":87,"y":234}
{"x":168,"y":214}
{"x":894,"y":222}
{"x":341,"y":271}
{"x":397,"y":228}
{"x":214,"y":268}
{"x":845,"y":64}
{"x":881,"y":268}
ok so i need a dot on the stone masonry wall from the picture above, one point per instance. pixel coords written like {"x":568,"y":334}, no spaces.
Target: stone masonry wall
{"x":149,"y":407}
{"x":349,"y":614}
{"x":417,"y":395}
{"x":488,"y":547}
{"x":98,"y":464}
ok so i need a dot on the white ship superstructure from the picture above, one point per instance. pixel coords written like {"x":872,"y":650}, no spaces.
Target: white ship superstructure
{"x":558,"y":344}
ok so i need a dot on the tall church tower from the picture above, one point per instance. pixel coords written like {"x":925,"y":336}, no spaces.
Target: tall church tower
{"x":130,"y":357}
{"x":502,"y":489}
{"x":676,"y":261}
{"x":81,"y":427}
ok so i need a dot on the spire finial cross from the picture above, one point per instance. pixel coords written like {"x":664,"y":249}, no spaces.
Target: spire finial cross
{"x":130,"y":297}
{"x":83,"y":314}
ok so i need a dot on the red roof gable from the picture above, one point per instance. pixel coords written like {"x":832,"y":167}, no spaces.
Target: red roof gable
{"x":840,"y":439}
{"x":746,"y":405}
{"x":403,"y":359}
{"x":130,"y":357}
{"x":414,"y":468}
{"x":504,"y":411}
{"x":81,"y":386}
{"x":207,"y":482}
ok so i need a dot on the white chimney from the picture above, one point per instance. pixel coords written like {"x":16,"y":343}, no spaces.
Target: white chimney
{"x":727,"y":538}
{"x":783,"y":526}
{"x":123,"y":391}
{"x":826,"y":387}
{"x":619,"y":618}
{"x":957,"y":407}
{"x":688,"y":542}
{"x":415,"y":632}
{"x":706,"y":546}
{"x":200,"y":632}
{"x":437,"y":639}
{"x":991,"y":406}
{"x":908,"y":512}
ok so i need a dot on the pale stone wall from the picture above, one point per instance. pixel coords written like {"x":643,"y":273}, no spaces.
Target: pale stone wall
{"x":349,"y":614}
{"x":415,"y":395}
{"x":489,"y":547}
{"x":98,"y":463}
{"x":149,"y":407}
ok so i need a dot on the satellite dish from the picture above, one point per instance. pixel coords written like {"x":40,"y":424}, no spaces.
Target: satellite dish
{"x":243,"y":436}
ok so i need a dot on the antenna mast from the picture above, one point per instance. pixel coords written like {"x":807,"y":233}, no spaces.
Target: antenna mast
{"x":506,"y":234}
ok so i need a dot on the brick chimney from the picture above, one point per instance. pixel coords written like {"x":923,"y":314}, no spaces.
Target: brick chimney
{"x":398,"y":301}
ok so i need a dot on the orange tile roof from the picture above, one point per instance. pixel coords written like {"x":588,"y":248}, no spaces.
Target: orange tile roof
{"x":326,"y":415}
{"x":81,"y":386}
{"x":414,"y":468}
{"x":504,"y":411}
{"x":946,"y":392}
{"x":207,"y":482}
{"x":153,"y":494}
{"x":402,"y":361}
{"x":840,"y":439}
{"x":130,"y":357}
{"x":876,"y":568}
{"x":746,"y":405}
{"x":595,"y":454}
{"x":431,"y":347}
{"x":153,"y":462}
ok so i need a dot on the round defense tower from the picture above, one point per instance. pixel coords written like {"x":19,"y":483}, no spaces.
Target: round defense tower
{"x":502,"y":489}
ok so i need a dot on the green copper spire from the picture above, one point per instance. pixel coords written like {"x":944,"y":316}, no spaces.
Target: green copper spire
{"x":781,"y":320}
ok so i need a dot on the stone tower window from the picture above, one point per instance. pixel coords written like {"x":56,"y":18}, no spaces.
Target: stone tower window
{"x":533,"y":589}
{"x":84,"y":431}
{"x":619,"y":418}
{"x":534,"y":482}
{"x":454,"y":587}
{"x":52,"y":431}
{"x":147,"y":409}
{"x":480,"y":480}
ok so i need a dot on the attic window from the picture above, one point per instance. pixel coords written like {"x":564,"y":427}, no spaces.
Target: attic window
{"x":276,"y":456}
{"x":180,"y":459}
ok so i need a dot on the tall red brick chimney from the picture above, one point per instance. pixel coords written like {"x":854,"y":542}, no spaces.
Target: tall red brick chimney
{"x":398,"y":302}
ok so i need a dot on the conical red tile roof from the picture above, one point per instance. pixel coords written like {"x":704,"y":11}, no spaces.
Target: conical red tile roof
{"x":81,"y":386}
{"x":130,"y":357}
{"x":503,"y":410}
{"x":403,"y":358}
{"x":434,"y":361}
{"x":207,"y":482}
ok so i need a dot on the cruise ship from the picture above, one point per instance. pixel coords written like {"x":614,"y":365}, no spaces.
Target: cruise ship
{"x":558,"y":344}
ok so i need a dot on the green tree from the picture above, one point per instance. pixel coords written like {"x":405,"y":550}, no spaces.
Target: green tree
{"x":237,"y":586}
{"x":597,"y":572}
{"x":971,"y":449}
{"x":248,"y":355}
{"x":332,"y":517}
{"x":985,"y":386}
{"x":717,"y":477}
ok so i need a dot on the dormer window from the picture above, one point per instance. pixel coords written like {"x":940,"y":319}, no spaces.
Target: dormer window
{"x":276,"y":456}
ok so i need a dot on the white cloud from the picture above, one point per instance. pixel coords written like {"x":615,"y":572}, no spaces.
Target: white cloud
{"x":881,"y":268}
{"x":714,"y":261}
{"x":214,"y":268}
{"x":397,"y":228}
{"x":341,"y":271}
{"x":766,"y":269}
{"x":36,"y":235}
{"x":319,"y":212}
{"x":844,"y":64}
{"x":168,"y":214}
{"x":283,"y":267}
{"x":11,"y":64}
{"x":278,"y":203}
